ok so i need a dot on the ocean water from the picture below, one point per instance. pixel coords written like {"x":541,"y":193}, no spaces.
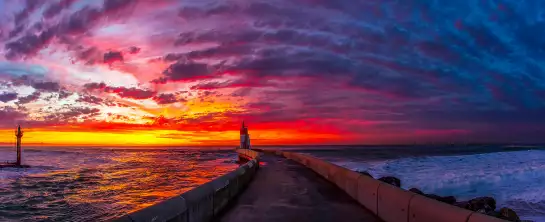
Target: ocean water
{"x":97,"y":184}
{"x":93,"y":184}
{"x":514,"y":176}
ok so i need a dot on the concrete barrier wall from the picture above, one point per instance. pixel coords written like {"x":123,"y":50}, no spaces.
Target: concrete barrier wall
{"x":248,"y":154}
{"x":419,"y":210}
{"x":391,"y":204}
{"x":477,"y":217}
{"x":368,"y":193}
{"x":202,"y":203}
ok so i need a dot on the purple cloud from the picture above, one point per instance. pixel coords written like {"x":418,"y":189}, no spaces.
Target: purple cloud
{"x":181,"y":71}
{"x":6,"y":97}
{"x":400,"y":66}
{"x":132,"y":92}
{"x":28,"y":99}
{"x":46,"y":86}
{"x":111,"y":57}
{"x":56,"y":7}
{"x":134,"y":50}
{"x":90,"y":99}
{"x":166,"y":98}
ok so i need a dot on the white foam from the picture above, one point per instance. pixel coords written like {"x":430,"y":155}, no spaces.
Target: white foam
{"x":513,"y":178}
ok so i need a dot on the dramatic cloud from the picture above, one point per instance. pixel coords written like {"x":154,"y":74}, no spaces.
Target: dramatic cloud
{"x":46,"y":86}
{"x":72,"y":113}
{"x":90,"y":99}
{"x":28,"y":99}
{"x":9,"y":116}
{"x":56,"y":7}
{"x":186,"y":72}
{"x":327,"y":71}
{"x":111,"y":57}
{"x":6,"y":97}
{"x":166,"y":99}
{"x":28,"y":45}
{"x":133,"y":93}
{"x":134,"y":50}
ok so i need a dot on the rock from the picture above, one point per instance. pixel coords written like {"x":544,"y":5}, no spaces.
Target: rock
{"x":446,"y":199}
{"x":391,"y":180}
{"x":415,"y":190}
{"x":462,"y":204}
{"x":365,"y":173}
{"x":494,"y":214}
{"x":508,"y":214}
{"x":481,"y":204}
{"x":432,"y":196}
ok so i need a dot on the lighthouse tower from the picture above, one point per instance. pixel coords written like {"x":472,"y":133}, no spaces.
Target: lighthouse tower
{"x":244,"y":137}
{"x":19,"y":135}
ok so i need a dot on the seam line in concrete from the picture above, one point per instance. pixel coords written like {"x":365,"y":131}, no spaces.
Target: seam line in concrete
{"x":409,"y":208}
{"x":376,"y":199}
{"x":357,"y":188}
{"x":469,"y":216}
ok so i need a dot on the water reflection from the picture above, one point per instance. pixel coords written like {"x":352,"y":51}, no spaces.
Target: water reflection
{"x":96,"y":185}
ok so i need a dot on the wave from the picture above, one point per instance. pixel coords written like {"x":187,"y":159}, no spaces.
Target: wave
{"x":103,"y":184}
{"x":515,"y":179}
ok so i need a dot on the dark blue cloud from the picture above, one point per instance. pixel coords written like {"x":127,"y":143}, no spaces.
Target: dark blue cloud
{"x":477,"y":63}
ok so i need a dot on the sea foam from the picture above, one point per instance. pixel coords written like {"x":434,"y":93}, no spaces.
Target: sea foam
{"x":515,"y":179}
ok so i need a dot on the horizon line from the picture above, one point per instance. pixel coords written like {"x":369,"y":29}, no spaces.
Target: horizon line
{"x":279,"y":145}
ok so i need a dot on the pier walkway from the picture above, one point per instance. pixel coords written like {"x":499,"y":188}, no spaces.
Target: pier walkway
{"x":287,"y":191}
{"x":275,"y":185}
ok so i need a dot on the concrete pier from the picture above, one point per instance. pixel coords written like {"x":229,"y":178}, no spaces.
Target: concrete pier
{"x":284,"y":186}
{"x":284,"y":190}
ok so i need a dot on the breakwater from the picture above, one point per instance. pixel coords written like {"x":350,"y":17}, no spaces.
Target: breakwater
{"x":388,"y":202}
{"x":203,"y":202}
{"x":378,"y":200}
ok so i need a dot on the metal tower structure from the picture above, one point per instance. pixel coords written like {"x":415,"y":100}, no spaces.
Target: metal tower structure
{"x":19,"y":135}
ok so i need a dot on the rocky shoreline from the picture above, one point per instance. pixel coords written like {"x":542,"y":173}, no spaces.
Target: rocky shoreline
{"x":484,"y":205}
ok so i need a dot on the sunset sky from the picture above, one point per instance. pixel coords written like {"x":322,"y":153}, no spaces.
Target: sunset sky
{"x":188,"y":72}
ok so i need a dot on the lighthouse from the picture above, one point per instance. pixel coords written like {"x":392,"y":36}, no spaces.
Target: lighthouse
{"x":18,"y":163}
{"x":19,"y":135}
{"x":244,"y":137}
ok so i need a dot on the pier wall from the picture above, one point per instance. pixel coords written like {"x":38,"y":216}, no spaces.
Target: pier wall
{"x":390,"y":203}
{"x":246,"y":155}
{"x":203,"y":202}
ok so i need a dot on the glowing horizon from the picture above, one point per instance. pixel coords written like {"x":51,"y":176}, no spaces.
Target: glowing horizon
{"x":145,"y":73}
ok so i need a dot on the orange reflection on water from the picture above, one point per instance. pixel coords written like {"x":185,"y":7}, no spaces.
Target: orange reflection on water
{"x":110,"y":183}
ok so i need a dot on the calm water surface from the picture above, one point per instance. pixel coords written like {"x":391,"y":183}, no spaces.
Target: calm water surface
{"x":92,"y":184}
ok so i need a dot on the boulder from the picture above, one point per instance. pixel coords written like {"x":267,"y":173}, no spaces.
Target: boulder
{"x":417,"y":191}
{"x":480,"y":204}
{"x":508,"y":214}
{"x":365,"y":173}
{"x":391,"y":180}
{"x":446,"y":199}
{"x":494,"y":213}
{"x":462,"y":204}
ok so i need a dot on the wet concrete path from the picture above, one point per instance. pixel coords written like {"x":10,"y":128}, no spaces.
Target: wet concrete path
{"x":285,"y":191}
